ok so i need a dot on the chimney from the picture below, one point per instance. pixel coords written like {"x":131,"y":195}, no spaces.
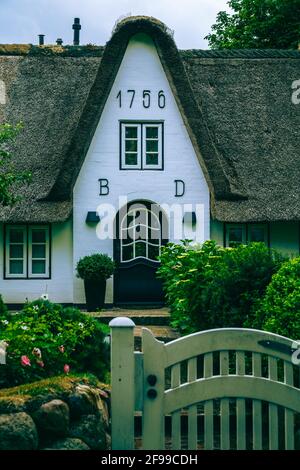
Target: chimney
{"x":59,"y":41}
{"x":77,"y":27}
{"x":41,"y":39}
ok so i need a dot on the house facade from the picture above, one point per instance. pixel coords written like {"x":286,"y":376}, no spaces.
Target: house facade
{"x":136,"y":144}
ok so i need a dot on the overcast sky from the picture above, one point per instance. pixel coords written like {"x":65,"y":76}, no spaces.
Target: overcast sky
{"x":22,"y":20}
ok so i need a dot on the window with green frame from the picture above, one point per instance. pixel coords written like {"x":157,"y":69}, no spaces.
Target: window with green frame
{"x":237,"y":234}
{"x":27,"y":251}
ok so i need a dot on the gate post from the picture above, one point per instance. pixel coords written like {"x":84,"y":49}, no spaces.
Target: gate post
{"x":122,"y":383}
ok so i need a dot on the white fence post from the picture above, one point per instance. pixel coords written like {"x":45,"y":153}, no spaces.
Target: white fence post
{"x":122,"y":383}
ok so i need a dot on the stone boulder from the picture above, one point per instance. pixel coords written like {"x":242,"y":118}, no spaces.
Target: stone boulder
{"x":53,"y":418}
{"x":12,"y":405}
{"x":88,"y":400}
{"x":92,"y":430}
{"x":70,"y":443}
{"x":17,"y":432}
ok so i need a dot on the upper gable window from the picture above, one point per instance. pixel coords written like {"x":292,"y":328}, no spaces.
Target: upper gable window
{"x":141,"y":146}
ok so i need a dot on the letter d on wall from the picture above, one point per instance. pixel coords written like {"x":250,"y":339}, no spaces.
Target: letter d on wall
{"x":179,"y":188}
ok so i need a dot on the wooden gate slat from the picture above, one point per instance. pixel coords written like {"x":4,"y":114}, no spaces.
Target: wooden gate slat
{"x":224,"y":406}
{"x":240,"y":424}
{"x":225,"y":432}
{"x":273,"y":409}
{"x":256,"y":406}
{"x":240,"y":406}
{"x":176,"y":415}
{"x":289,"y":414}
{"x":240,"y":363}
{"x":209,"y":425}
{"x":192,"y":410}
{"x":208,"y":406}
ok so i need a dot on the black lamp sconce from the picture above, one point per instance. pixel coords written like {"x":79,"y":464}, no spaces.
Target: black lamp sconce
{"x":92,"y":218}
{"x":189,"y":218}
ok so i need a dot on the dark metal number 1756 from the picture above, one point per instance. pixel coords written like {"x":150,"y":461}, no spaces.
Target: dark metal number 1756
{"x":161,"y":98}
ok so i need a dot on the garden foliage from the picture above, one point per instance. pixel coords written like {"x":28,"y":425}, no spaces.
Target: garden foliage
{"x":279,"y":311}
{"x":46,"y":339}
{"x":212,"y":287}
{"x":96,"y":267}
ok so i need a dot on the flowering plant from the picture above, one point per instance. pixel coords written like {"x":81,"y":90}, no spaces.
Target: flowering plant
{"x":46,"y":339}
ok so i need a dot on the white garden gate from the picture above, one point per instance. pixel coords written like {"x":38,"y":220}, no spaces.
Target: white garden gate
{"x":227,"y":388}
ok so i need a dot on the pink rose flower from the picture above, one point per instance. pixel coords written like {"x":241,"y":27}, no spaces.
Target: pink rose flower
{"x":66,"y":368}
{"x":25,"y":361}
{"x":61,"y":348}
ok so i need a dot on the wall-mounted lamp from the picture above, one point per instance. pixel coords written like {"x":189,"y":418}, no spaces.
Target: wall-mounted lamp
{"x":189,"y":218}
{"x":92,"y":218}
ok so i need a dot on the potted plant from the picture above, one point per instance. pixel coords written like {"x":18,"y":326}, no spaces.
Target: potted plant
{"x":94,"y":270}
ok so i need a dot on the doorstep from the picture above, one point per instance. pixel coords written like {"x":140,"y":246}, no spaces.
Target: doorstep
{"x":153,"y":317}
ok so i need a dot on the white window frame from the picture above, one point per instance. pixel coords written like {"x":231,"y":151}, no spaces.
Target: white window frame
{"x":7,"y":257}
{"x":124,"y":166}
{"x":234,"y":226}
{"x":47,"y":252}
{"x":27,"y":252}
{"x":160,"y":147}
{"x":141,"y":146}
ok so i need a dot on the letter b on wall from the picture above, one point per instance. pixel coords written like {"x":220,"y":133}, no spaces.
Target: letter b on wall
{"x":103,"y":187}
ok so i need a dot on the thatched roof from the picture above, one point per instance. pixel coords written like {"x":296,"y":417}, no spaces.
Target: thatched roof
{"x":236,"y":105}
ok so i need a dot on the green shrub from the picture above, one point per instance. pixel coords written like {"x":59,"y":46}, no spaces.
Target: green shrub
{"x":212,"y":287}
{"x":3,"y":309}
{"x":279,"y":311}
{"x":96,"y":267}
{"x":46,"y":339}
{"x":184,"y":272}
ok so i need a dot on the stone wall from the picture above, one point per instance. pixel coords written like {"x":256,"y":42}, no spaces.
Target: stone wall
{"x":77,"y":419}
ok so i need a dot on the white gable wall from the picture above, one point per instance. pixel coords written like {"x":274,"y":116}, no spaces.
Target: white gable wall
{"x":140,"y":70}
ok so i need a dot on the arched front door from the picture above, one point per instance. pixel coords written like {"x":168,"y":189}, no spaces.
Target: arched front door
{"x":141,"y":230}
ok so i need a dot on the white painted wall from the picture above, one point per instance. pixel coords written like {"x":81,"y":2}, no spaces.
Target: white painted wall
{"x":140,"y":70}
{"x":59,"y":287}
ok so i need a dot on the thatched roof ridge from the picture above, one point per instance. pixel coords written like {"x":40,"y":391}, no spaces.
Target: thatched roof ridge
{"x":89,"y":50}
{"x":240,"y":54}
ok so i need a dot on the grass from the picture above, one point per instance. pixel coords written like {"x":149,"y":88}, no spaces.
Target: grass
{"x":53,"y":385}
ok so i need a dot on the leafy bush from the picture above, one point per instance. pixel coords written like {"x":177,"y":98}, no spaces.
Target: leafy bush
{"x":46,"y":339}
{"x":3,"y":309}
{"x":212,"y":287}
{"x":96,"y":267}
{"x":279,"y":311}
{"x":184,"y":273}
